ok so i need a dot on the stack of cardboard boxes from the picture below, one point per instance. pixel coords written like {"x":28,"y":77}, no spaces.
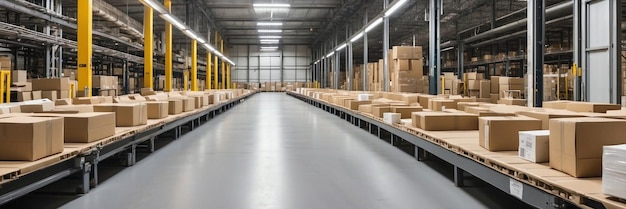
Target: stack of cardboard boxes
{"x":105,"y":85}
{"x":21,"y":86}
{"x":51,"y":88}
{"x":406,"y":69}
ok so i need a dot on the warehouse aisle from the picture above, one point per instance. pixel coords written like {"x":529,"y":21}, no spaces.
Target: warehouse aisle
{"x":274,"y":151}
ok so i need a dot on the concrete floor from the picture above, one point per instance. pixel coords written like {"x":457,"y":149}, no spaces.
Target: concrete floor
{"x":274,"y":151}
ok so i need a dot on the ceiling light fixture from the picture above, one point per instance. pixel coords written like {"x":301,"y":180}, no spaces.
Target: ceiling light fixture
{"x":270,"y":31}
{"x":269,"y":24}
{"x":342,"y":46}
{"x":154,"y":5}
{"x":330,"y":54}
{"x":374,"y":24}
{"x":270,"y":37}
{"x":272,"y":5}
{"x":395,"y":7}
{"x":269,"y":47}
{"x":174,"y":21}
{"x":357,"y":37}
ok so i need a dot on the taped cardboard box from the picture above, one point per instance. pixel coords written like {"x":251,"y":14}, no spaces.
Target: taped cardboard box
{"x":51,"y":84}
{"x":18,"y":76}
{"x":87,"y":127}
{"x":591,"y":107}
{"x":39,"y":107}
{"x":511,"y":101}
{"x":126,"y":115}
{"x":175,"y":106}
{"x":74,"y":108}
{"x":354,"y":105}
{"x":475,"y":76}
{"x":511,"y":81}
{"x":24,"y":96}
{"x":189,"y":104}
{"x":51,"y":95}
{"x":546,"y":116}
{"x":30,"y":138}
{"x":495,"y":84}
{"x":576,"y":143}
{"x":86,"y":100}
{"x":561,"y":105}
{"x":367,"y":108}
{"x":157,"y":109}
{"x":502,"y":133}
{"x":405,"y":112}
{"x":60,"y":102}
{"x":433,"y":121}
{"x":441,"y":104}
{"x":21,"y":86}
{"x":378,"y":111}
{"x":36,"y":95}
{"x":406,"y":52}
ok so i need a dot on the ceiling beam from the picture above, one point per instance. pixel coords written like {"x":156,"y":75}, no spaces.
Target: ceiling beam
{"x":247,"y":19}
{"x":292,"y":6}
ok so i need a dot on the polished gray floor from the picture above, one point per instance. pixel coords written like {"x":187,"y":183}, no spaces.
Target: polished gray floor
{"x":274,"y":151}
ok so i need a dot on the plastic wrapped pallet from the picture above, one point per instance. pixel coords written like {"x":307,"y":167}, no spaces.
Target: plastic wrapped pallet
{"x":614,"y":171}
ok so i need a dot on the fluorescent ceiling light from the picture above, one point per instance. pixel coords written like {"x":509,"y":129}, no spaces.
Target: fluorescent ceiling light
{"x":272,"y":5}
{"x":155,"y":5}
{"x":330,"y":54}
{"x":270,"y":31}
{"x":395,"y":7}
{"x":357,"y":37}
{"x":270,"y":40}
{"x":209,"y":47}
{"x":269,"y":37}
{"x":269,"y":24}
{"x":269,"y":47}
{"x":174,"y":21}
{"x":190,"y":34}
{"x":374,"y":24}
{"x":341,"y":46}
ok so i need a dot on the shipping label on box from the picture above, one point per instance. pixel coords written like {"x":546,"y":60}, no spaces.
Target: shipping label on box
{"x":533,"y":146}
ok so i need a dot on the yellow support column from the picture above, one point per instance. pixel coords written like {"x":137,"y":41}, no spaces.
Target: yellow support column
{"x":185,"y":80}
{"x":168,"y":49}
{"x":208,"y":70}
{"x":228,"y":81}
{"x":148,"y":46}
{"x":222,"y":72}
{"x":194,"y":65}
{"x":215,"y":65}
{"x":84,"y":39}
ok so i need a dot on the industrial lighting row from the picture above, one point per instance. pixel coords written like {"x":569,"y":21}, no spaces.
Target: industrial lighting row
{"x":367,"y":28}
{"x":169,"y":17}
{"x":270,"y":39}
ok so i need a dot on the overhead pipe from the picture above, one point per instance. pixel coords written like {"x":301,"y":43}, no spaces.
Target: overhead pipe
{"x":564,"y":7}
{"x":519,"y":33}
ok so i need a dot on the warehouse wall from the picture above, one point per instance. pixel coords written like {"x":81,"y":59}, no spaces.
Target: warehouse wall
{"x":254,"y":65}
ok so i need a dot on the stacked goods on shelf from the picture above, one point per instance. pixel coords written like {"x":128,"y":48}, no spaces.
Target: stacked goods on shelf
{"x":449,"y":81}
{"x":104,"y":86}
{"x":511,"y":91}
{"x":477,"y":86}
{"x":20,"y":86}
{"x":406,"y":69}
{"x":51,"y":88}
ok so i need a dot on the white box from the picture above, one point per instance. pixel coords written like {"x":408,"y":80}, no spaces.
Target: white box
{"x":534,"y":146}
{"x":364,"y":97}
{"x":391,"y":118}
{"x":614,"y":171}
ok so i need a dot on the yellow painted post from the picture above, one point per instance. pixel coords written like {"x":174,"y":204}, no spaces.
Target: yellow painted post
{"x":186,"y":80}
{"x":194,"y":65}
{"x":223,"y":71}
{"x":84,"y":39}
{"x":5,"y":86}
{"x":168,"y":49}
{"x":148,"y":46}
{"x":208,"y":70}
{"x":228,"y":81}
{"x":215,"y":65}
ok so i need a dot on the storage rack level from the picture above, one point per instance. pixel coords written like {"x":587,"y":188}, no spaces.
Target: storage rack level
{"x":420,"y":146}
{"x":85,"y":162}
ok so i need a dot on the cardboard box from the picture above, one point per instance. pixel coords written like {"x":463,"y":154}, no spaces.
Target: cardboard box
{"x":576,"y":143}
{"x":511,"y":81}
{"x":441,"y":104}
{"x":561,"y":105}
{"x":354,"y":105}
{"x":175,"y":106}
{"x":22,"y":86}
{"x":405,"y":112}
{"x":378,"y":111}
{"x":534,"y":146}
{"x":506,"y":87}
{"x":126,"y":114}
{"x":86,"y":100}
{"x":502,"y":133}
{"x":367,"y":108}
{"x":18,"y":76}
{"x":52,"y":84}
{"x":401,"y":64}
{"x":485,"y":89}
{"x":157,"y":110}
{"x":39,"y":107}
{"x":424,"y":99}
{"x":473,"y":84}
{"x":30,"y":138}
{"x":147,"y":92}
{"x":88,"y":127}
{"x":406,"y":52}
{"x":61,"y":102}
{"x":36,"y":95}
{"x":391,"y":118}
{"x":591,"y":107}
{"x":74,"y":108}
{"x":189,"y":104}
{"x":24,"y":96}
{"x":546,"y":116}
{"x":51,"y":95}
{"x":495,"y":84}
{"x":511,"y":101}
{"x":433,"y":121}
{"x":475,"y":76}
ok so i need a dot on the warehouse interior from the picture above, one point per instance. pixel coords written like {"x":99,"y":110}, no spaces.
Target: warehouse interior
{"x":312,"y":104}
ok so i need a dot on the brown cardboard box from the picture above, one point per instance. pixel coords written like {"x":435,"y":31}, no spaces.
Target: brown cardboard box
{"x":591,"y":107}
{"x":367,"y":108}
{"x":473,"y":84}
{"x":51,"y":95}
{"x":511,"y":101}
{"x":354,"y":105}
{"x":561,"y":105}
{"x":197,"y":101}
{"x":433,"y":121}
{"x":18,"y":76}
{"x":511,"y":81}
{"x":74,"y":108}
{"x":378,"y":111}
{"x":546,"y":116}
{"x":22,"y":86}
{"x":147,"y":92}
{"x":495,"y":84}
{"x":175,"y":106}
{"x":511,"y":87}
{"x":576,"y":143}
{"x":401,"y":65}
{"x":30,"y":138}
{"x":465,"y":121}
{"x":189,"y":104}
{"x":39,"y":107}
{"x":494,"y":98}
{"x":36,"y":95}
{"x":501,"y":133}
{"x":405,"y":112}
{"x":86,"y":100}
{"x":475,"y":76}
{"x":406,"y":52}
{"x":63,"y":94}
{"x":61,"y":102}
{"x":418,"y":67}
{"x":88,"y":127}
{"x":24,"y":96}
{"x":51,"y":84}
{"x":441,"y":104}
{"x":485,"y":89}
{"x":126,"y":114}
{"x":423,"y":99}
{"x":157,"y":110}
